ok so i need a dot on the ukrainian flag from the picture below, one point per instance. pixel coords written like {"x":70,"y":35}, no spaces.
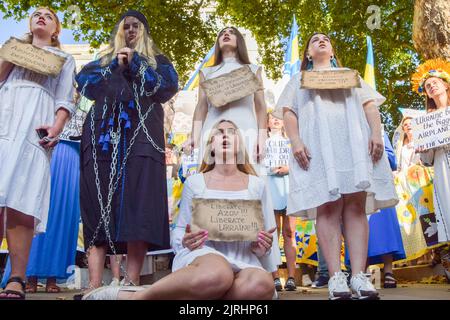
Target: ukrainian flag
{"x":369,"y":74}
{"x":291,"y":57}
{"x":195,"y":78}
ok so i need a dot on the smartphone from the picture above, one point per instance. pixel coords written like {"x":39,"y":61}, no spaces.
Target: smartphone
{"x":42,"y":133}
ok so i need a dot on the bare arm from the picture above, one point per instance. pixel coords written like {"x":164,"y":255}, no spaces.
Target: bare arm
{"x":62,"y":115}
{"x":299,"y":150}
{"x":200,"y":112}
{"x":5,"y":69}
{"x":373,"y":117}
{"x":261,"y":118}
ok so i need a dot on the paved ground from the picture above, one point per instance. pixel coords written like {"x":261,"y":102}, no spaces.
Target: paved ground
{"x":403,"y":292}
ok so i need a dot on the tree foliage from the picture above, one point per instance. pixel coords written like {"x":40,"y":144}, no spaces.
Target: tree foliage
{"x":185,"y":34}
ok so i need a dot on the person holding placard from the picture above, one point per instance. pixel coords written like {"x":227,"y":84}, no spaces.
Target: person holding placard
{"x":432,"y":80}
{"x":123,"y":183}
{"x":220,"y":269}
{"x":249,"y":112}
{"x":276,"y":161}
{"x":33,"y":111}
{"x":338,"y":169}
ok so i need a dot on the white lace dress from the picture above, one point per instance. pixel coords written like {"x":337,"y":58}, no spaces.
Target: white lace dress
{"x":27,"y":101}
{"x":241,"y":112}
{"x":237,"y":253}
{"x":333,"y":126}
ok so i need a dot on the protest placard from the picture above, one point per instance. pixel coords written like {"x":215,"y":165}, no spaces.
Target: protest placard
{"x":228,"y":220}
{"x":232,"y":86}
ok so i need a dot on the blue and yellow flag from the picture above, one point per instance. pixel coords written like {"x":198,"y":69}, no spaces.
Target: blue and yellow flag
{"x":291,"y":57}
{"x":195,"y":78}
{"x":369,"y":74}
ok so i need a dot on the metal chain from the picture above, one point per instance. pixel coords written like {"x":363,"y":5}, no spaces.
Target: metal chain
{"x":105,"y":211}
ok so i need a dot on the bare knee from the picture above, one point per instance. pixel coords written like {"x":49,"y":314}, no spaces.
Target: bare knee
{"x":211,"y":284}
{"x":260,"y":286}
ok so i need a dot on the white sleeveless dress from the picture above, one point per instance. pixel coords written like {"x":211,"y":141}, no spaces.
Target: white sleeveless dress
{"x":237,"y":253}
{"x":241,"y":112}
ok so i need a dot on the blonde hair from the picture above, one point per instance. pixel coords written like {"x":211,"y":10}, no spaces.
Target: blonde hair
{"x":55,"y":41}
{"x":144,"y":46}
{"x":242,"y":159}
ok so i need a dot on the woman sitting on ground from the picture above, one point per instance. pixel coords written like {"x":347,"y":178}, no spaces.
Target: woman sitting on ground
{"x":204,"y":269}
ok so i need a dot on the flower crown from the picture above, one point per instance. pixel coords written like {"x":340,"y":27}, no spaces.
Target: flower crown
{"x":431,"y":68}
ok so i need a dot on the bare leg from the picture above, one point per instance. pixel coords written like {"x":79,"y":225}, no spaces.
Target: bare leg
{"x":96,"y":263}
{"x":115,"y":265}
{"x":356,"y":230}
{"x":135,"y":260}
{"x":290,"y":246}
{"x":251,"y":284}
{"x":278,"y":218}
{"x":329,"y":233}
{"x":207,"y":277}
{"x":2,"y":227}
{"x":19,"y":234}
{"x":387,"y":260}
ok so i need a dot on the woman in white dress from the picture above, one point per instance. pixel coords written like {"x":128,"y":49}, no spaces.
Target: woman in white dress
{"x":204,"y":269}
{"x":249,"y":113}
{"x":338,"y":171}
{"x":433,"y":80}
{"x":30,"y":101}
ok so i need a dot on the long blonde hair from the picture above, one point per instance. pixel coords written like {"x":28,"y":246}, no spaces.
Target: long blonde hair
{"x":55,"y":40}
{"x":145,"y":45}
{"x":242,"y":159}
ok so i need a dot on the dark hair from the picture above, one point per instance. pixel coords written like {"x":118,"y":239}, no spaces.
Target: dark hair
{"x":304,"y":65}
{"x":242,"y":53}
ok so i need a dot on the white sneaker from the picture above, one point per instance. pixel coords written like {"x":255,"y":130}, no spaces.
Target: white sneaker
{"x":338,"y":288}
{"x":115,"y":282}
{"x":363,"y":288}
{"x":306,"y":280}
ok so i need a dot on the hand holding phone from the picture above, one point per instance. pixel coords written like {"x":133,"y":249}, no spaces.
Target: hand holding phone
{"x":42,"y":133}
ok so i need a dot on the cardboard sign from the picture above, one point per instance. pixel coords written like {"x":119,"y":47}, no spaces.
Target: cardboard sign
{"x":277,"y":152}
{"x":228,"y":220}
{"x":232,"y":86}
{"x":432,"y":130}
{"x":330,"y":79}
{"x":31,"y":57}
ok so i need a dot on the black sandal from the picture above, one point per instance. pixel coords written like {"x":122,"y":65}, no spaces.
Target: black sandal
{"x":389,"y":281}
{"x":21,"y":295}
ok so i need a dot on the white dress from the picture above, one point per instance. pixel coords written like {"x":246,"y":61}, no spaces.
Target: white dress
{"x":241,"y":112}
{"x":27,"y":101}
{"x":238,"y":253}
{"x":440,"y":158}
{"x":334,"y":128}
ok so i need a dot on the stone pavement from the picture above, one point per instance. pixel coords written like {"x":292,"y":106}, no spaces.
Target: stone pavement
{"x":403,"y":292}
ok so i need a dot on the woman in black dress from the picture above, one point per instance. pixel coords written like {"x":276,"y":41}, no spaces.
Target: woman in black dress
{"x":123,"y":175}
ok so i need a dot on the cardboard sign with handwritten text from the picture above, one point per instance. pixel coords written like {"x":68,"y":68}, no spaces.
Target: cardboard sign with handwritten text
{"x":232,"y":86}
{"x":31,"y":57}
{"x":330,"y":79}
{"x":228,"y":220}
{"x":432,"y":130}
